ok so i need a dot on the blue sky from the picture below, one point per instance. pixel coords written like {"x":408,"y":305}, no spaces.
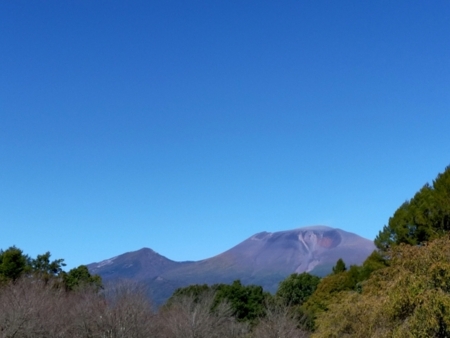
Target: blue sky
{"x":188,"y":126}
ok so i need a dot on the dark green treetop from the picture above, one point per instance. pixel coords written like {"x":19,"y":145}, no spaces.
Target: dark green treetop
{"x":339,"y":267}
{"x":424,"y":217}
{"x":247,"y":301}
{"x":297,"y":288}
{"x":13,"y":263}
{"x":80,"y":277}
{"x":45,"y":269}
{"x":196,"y":291}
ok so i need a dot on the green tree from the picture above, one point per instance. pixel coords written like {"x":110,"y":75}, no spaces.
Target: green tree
{"x":80,"y":277}
{"x":195,"y":291}
{"x":339,"y":267}
{"x":247,"y":301}
{"x":297,"y":288}
{"x":329,"y":288}
{"x":372,"y":263}
{"x":45,"y":269}
{"x":352,"y":279}
{"x":13,"y":263}
{"x":424,"y":217}
{"x":409,"y":298}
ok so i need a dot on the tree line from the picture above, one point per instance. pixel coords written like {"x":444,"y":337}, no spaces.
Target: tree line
{"x":14,"y":264}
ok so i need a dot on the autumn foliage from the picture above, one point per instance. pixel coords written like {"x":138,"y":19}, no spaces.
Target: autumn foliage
{"x":410,"y":298}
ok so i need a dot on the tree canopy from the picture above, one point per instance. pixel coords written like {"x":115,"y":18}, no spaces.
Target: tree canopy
{"x":409,"y":298}
{"x":14,"y":264}
{"x":297,"y":288}
{"x":339,"y":267}
{"x":80,"y":277}
{"x":246,"y":301}
{"x":424,"y":217}
{"x":46,"y":269}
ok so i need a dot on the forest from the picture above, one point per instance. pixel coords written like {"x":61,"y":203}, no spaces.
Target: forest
{"x":401,"y":290}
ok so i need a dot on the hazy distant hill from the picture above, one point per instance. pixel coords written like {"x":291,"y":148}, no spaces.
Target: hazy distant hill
{"x":263,"y":259}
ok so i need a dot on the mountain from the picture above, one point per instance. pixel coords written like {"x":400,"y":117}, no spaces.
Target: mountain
{"x":137,"y":265}
{"x":264,"y":259}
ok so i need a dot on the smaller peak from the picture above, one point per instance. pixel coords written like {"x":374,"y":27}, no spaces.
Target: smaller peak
{"x":145,"y":249}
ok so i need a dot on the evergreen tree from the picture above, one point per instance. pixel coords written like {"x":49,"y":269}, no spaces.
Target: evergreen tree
{"x":13,"y":263}
{"x":195,"y":291}
{"x":297,"y":288}
{"x":45,"y":269}
{"x":425,"y":217}
{"x":80,"y":277}
{"x":247,"y":301}
{"x":339,"y":267}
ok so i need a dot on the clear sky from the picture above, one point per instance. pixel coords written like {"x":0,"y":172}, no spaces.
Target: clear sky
{"x":188,"y":126}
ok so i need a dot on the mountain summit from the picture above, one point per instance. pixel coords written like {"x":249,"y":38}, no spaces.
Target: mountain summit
{"x":265,"y":259}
